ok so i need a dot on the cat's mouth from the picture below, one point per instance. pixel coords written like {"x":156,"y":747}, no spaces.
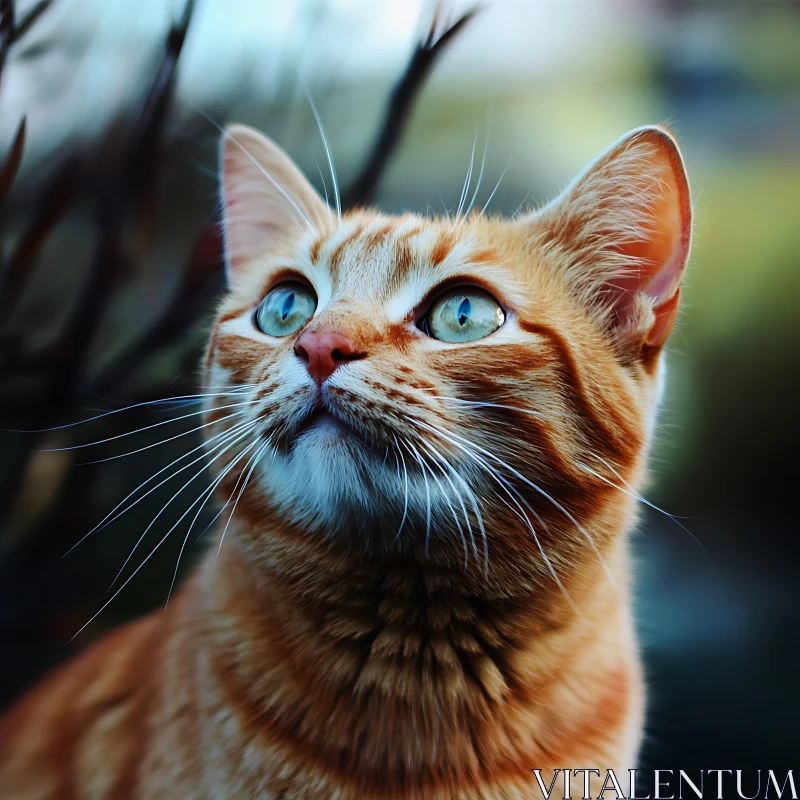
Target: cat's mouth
{"x":321,"y":417}
{"x":325,"y":420}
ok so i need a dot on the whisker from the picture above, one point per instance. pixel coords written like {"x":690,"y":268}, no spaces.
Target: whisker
{"x":519,"y":207}
{"x":635,"y":495}
{"x":254,"y":459}
{"x":196,"y":397}
{"x":324,"y":183}
{"x":163,"y":441}
{"x":508,"y":489}
{"x":261,"y":169}
{"x":136,"y":571}
{"x":334,"y":181}
{"x":141,"y":430}
{"x":452,"y":471}
{"x":224,"y":438}
{"x":468,"y":178}
{"x":475,"y":503}
{"x":405,"y":501}
{"x":241,"y":436}
{"x":552,"y":500}
{"x":215,"y":483}
{"x":480,"y":178}
{"x":486,"y":404}
{"x":497,"y":186}
{"x":431,"y":450}
{"x":413,"y":450}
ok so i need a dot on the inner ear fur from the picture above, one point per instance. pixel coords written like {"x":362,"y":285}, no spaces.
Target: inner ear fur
{"x":621,"y":234}
{"x":267,"y":202}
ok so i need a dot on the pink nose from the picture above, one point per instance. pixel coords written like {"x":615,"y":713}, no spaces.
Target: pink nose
{"x":323,"y":352}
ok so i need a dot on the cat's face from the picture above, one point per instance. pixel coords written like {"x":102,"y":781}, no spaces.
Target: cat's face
{"x":412,"y":378}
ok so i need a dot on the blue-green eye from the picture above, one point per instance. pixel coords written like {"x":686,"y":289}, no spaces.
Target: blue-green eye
{"x":464,"y":315}
{"x":286,"y":309}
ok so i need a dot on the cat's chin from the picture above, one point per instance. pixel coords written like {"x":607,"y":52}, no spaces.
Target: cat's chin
{"x":328,"y":428}
{"x":331,"y":479}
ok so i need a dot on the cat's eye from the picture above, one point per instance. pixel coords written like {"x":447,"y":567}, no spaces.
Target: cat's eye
{"x":286,"y":309}
{"x":463,"y":315}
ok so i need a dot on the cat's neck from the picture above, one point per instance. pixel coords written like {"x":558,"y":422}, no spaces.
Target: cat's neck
{"x":379,"y":667}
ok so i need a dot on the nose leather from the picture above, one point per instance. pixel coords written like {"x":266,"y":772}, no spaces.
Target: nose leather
{"x":323,"y":352}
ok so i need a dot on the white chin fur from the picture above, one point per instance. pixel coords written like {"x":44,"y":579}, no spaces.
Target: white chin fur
{"x":328,"y":481}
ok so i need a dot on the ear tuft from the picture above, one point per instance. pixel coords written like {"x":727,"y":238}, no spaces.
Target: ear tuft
{"x":267,"y":202}
{"x":621,"y":233}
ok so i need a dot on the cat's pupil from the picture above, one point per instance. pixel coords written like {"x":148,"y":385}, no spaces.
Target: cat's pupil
{"x":463,"y":311}
{"x":287,"y":306}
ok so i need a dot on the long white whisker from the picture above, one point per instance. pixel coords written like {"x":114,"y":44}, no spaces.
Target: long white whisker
{"x":421,"y":461}
{"x":405,"y":496}
{"x":136,"y":571}
{"x":460,"y":499}
{"x":527,"y":195}
{"x":634,"y":494}
{"x":465,"y":189}
{"x":254,"y":459}
{"x":231,"y":444}
{"x":480,"y":178}
{"x":215,"y":483}
{"x":324,"y":183}
{"x":261,"y":169}
{"x":519,"y":511}
{"x":476,"y":508}
{"x":221,"y":438}
{"x":446,"y":498}
{"x":508,"y":489}
{"x":163,"y":441}
{"x":282,"y":189}
{"x":486,"y":404}
{"x":496,"y":187}
{"x":552,"y":500}
{"x":439,"y":459}
{"x":329,"y":155}
{"x":141,"y":430}
{"x":475,"y":503}
{"x":208,"y":496}
{"x":197,"y":397}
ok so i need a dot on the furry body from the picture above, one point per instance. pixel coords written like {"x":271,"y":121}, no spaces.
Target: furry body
{"x":379,"y":624}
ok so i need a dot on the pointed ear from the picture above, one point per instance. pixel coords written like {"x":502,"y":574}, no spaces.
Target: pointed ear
{"x":622,"y":232}
{"x":267,"y":202}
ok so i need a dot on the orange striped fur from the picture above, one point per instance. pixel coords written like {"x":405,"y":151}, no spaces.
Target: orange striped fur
{"x":430,"y":598}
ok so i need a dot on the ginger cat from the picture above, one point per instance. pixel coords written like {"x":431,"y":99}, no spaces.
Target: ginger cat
{"x":423,"y":591}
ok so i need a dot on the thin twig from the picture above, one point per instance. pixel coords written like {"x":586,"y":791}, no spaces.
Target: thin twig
{"x":201,"y":278}
{"x":10,"y":167}
{"x":402,"y":100}
{"x":12,"y":31}
{"x":61,"y":193}
{"x":125,"y":187}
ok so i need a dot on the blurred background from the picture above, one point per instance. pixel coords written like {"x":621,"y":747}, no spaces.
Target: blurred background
{"x":111,"y":265}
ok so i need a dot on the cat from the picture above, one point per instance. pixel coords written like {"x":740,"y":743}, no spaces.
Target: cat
{"x":438,"y":430}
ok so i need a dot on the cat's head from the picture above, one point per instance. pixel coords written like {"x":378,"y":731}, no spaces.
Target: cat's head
{"x":413,"y":378}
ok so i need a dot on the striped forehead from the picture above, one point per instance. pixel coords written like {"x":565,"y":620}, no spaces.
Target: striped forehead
{"x":393,"y":262}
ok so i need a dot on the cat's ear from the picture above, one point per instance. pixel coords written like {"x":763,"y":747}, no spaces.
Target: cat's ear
{"x":622,"y":232}
{"x":267,"y":202}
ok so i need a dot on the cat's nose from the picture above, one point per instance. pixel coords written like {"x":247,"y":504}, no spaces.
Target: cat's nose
{"x":324,"y":351}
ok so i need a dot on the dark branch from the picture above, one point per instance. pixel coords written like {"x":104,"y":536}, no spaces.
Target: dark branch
{"x":398,"y":110}
{"x":24,"y":25}
{"x":10,"y":167}
{"x":7,"y":26}
{"x":200,"y":279}
{"x":60,"y":194}
{"x":12,"y":31}
{"x":128,"y":186}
